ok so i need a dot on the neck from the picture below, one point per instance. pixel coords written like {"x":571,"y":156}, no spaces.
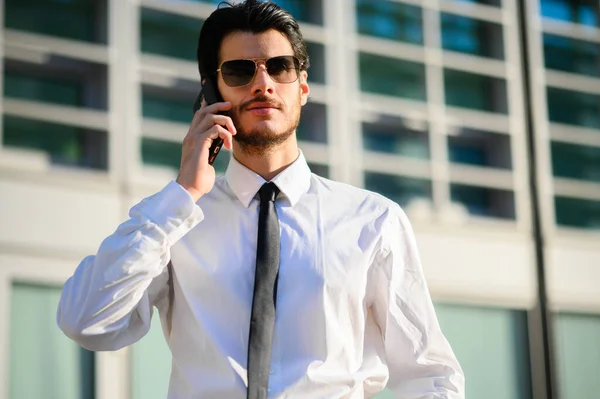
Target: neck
{"x":270,"y":163}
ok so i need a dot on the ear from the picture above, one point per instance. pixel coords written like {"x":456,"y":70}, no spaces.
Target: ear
{"x":304,"y":89}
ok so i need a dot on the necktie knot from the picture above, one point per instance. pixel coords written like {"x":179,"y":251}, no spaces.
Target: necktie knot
{"x":268,"y":192}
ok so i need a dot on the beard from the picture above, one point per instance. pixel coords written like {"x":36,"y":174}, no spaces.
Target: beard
{"x":258,"y":141}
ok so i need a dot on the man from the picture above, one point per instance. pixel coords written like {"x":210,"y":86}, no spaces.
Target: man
{"x":283,"y":284}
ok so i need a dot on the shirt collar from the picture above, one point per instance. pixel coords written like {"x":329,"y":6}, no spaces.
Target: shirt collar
{"x":293,"y":181}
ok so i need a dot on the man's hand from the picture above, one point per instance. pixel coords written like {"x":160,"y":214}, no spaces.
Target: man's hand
{"x":195,"y":174}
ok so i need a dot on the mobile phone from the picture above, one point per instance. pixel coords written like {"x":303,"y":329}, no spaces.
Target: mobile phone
{"x":211,"y":95}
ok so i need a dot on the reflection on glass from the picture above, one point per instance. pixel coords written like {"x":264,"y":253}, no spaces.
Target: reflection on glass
{"x":389,"y":76}
{"x":319,"y":169}
{"x":313,"y":123}
{"x":169,"y":34}
{"x":576,"y":161}
{"x":52,"y":90}
{"x":175,"y":110}
{"x":74,"y":19}
{"x":478,"y":92}
{"x":577,"y":212}
{"x":474,"y":147}
{"x":65,"y":145}
{"x":393,"y":136}
{"x":390,"y":20}
{"x":302,"y":10}
{"x":583,"y":12}
{"x":316,"y":56}
{"x":482,"y":201}
{"x":472,"y":36}
{"x":571,"y":55}
{"x":398,"y":188}
{"x":573,"y":107}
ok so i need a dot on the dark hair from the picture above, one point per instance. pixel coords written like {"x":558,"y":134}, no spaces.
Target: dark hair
{"x":251,"y":16}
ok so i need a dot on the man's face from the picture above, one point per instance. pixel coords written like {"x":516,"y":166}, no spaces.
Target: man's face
{"x":264,"y":112}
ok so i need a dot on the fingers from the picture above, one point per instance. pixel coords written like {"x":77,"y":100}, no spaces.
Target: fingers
{"x":218,"y":131}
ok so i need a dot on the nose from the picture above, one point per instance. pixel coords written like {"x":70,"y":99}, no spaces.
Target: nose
{"x":262,"y":83}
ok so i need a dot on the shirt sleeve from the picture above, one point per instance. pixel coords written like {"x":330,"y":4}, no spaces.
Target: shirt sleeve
{"x":420,"y":361}
{"x":107,"y":304}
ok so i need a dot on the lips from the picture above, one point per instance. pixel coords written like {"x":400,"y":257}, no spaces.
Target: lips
{"x":262,"y":105}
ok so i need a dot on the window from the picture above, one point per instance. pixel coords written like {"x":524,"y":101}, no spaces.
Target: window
{"x":24,"y":86}
{"x":393,"y":77}
{"x":168,"y":154}
{"x":74,"y":19}
{"x":313,"y":123}
{"x":169,"y":35}
{"x":583,"y":12}
{"x":577,"y":353}
{"x":316,"y":56}
{"x":319,"y":169}
{"x":573,"y":108}
{"x":483,"y":201}
{"x":571,"y":55}
{"x":398,"y":188}
{"x":577,"y":212}
{"x":390,"y":20}
{"x":576,"y":161}
{"x":474,"y":91}
{"x":172,"y":108}
{"x":475,"y":147}
{"x":43,"y":362}
{"x":471,"y":36}
{"x":495,"y":337}
{"x":484,"y":2}
{"x":396,"y":136}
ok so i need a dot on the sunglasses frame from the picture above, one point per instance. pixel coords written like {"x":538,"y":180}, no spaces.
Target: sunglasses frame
{"x":264,"y":61}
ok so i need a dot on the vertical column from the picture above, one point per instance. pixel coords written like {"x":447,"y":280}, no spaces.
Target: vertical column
{"x":2,"y":44}
{"x":5,"y":290}
{"x":434,"y":72}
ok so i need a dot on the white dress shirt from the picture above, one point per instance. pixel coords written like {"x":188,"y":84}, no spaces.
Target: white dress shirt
{"x":353,"y":314}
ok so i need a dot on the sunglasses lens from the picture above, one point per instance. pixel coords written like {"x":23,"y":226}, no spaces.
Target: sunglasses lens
{"x":283,"y":69}
{"x":238,"y":72}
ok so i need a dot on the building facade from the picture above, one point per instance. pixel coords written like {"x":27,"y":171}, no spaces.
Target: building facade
{"x":480,"y":117}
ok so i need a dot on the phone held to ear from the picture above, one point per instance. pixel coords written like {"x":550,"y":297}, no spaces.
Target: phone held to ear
{"x":211,"y":95}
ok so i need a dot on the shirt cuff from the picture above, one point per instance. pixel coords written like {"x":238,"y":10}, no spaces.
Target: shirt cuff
{"x":172,"y":209}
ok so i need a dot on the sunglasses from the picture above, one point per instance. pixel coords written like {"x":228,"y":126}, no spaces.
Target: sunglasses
{"x":282,"y":69}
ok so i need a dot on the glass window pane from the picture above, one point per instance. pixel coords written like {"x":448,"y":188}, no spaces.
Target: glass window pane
{"x":393,"y":77}
{"x":398,"y":188}
{"x":483,"y":201}
{"x":316,"y":56}
{"x":478,"y":92}
{"x":151,"y":364}
{"x":43,"y":362}
{"x":59,"y":91}
{"x":319,"y":169}
{"x":571,"y":55}
{"x":496,"y":3}
{"x":75,"y":19}
{"x":577,"y":212}
{"x":578,"y":354}
{"x":573,"y":108}
{"x":472,"y":36}
{"x":476,"y":147}
{"x":171,"y":109}
{"x":169,"y":35}
{"x":576,"y":161}
{"x":66,"y":145}
{"x":313,"y":123}
{"x":390,"y":20}
{"x":583,"y":12}
{"x":304,"y":10}
{"x":492,"y":347}
{"x":396,"y":136}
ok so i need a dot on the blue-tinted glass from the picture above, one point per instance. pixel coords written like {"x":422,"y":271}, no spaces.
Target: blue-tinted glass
{"x":168,"y":109}
{"x":302,"y":10}
{"x":583,"y":12}
{"x":390,"y":20}
{"x":479,"y":92}
{"x":471,"y":36}
{"x":52,"y":90}
{"x":169,"y":35}
{"x":313,"y":123}
{"x":573,"y":107}
{"x":480,"y":148}
{"x":319,"y":169}
{"x":396,"y":139}
{"x":577,"y":212}
{"x":398,"y":188}
{"x":576,"y":161}
{"x":483,"y":201}
{"x":393,"y":77}
{"x":496,"y":3}
{"x":571,"y":55}
{"x":66,"y":145}
{"x":316,"y":55}
{"x":74,"y":19}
